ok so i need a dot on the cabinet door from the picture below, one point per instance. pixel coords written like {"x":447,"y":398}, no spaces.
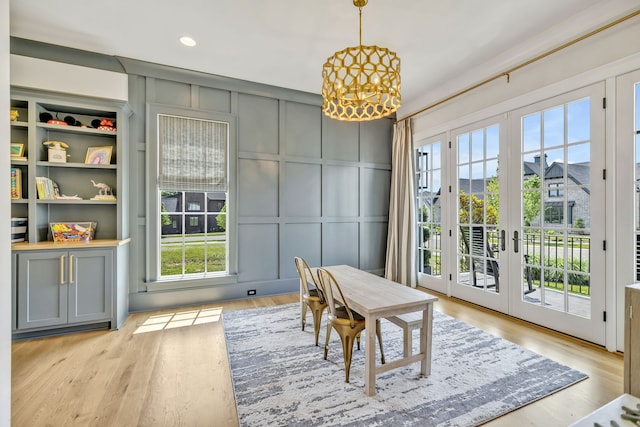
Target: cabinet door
{"x":90,"y":285}
{"x":42,"y":289}
{"x":632,"y":341}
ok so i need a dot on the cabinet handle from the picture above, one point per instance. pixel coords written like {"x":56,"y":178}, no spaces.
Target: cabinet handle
{"x":71,"y":269}
{"x":62,"y":269}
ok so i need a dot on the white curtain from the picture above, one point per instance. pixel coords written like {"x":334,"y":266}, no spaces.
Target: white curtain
{"x":401,"y":260}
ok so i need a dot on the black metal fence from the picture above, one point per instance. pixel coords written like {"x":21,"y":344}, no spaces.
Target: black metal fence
{"x":548,"y":258}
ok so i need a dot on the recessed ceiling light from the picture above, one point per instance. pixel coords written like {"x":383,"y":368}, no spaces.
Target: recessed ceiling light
{"x":187,"y":41}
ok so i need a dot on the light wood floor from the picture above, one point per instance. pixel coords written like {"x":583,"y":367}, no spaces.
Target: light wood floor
{"x":179,"y":376}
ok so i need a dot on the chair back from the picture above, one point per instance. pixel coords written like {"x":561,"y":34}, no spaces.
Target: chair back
{"x":329,"y":286}
{"x":479,"y":248}
{"x":303,"y":268}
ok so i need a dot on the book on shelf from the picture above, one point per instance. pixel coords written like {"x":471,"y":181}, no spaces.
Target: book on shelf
{"x":19,"y":158}
{"x":16,"y":183}
{"x":47,"y":189}
{"x":18,"y":229}
{"x":65,"y":197}
{"x":104,"y":197}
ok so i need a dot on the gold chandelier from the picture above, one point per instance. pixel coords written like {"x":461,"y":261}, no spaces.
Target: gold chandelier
{"x":361,"y":83}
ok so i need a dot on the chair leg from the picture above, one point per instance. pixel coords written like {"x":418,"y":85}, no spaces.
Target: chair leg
{"x":303,"y":314}
{"x":358,"y":340}
{"x":317,"y":318}
{"x":379,"y":334}
{"x":326,"y":345}
{"x":347,"y":350}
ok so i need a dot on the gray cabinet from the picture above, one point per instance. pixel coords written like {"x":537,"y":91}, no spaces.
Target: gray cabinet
{"x":64,"y":287}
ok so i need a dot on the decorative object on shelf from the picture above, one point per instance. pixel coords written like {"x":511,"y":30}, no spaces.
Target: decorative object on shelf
{"x":18,"y":229}
{"x":361,"y":83}
{"x":13,"y":115}
{"x":104,"y":124}
{"x":98,"y":155}
{"x":57,"y":152}
{"x":73,"y":231}
{"x":48,"y":118}
{"x":16,"y":183}
{"x":103,"y":189}
{"x":65,"y":197}
{"x":17,"y":150}
{"x":71,"y":121}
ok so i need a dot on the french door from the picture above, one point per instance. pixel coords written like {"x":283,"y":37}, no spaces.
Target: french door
{"x":557,"y":213}
{"x":479,"y":189}
{"x":528,"y":196}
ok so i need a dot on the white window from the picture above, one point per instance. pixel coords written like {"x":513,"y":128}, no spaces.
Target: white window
{"x":191,"y":238}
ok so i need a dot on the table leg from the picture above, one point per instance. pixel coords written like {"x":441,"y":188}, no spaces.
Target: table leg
{"x":370,"y":356}
{"x":426,"y":339}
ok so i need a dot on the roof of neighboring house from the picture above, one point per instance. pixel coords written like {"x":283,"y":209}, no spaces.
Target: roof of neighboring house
{"x":216,"y":196}
{"x":579,"y":173}
{"x":170,"y":203}
{"x":472,"y":186}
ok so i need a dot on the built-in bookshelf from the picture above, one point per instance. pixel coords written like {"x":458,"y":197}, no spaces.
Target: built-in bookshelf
{"x":70,"y":168}
{"x":66,"y":170}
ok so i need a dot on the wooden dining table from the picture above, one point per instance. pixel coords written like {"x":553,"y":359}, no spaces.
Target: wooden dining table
{"x":374,"y":298}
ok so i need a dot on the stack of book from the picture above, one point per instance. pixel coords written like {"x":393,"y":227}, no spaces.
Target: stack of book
{"x":104,"y":197}
{"x":47,"y":189}
{"x":18,"y":229}
{"x":16,"y":183}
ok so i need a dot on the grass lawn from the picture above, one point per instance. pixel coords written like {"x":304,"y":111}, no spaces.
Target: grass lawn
{"x":194,"y":257}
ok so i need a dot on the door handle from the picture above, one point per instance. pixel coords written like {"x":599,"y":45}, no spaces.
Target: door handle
{"x":516,"y":241}
{"x":503,"y":237}
{"x":71,"y":269}
{"x":62,"y":269}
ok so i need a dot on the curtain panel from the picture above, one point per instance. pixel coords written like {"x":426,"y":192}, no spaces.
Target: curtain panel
{"x":401,"y":260}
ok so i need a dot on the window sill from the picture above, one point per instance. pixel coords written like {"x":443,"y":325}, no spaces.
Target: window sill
{"x":190,"y":283}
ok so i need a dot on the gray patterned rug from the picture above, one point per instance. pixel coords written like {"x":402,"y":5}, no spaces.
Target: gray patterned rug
{"x":280,"y":376}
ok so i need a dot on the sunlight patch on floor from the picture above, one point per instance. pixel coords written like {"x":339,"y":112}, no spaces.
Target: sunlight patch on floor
{"x":179,"y":319}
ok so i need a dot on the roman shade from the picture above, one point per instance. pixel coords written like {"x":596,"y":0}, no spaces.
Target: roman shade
{"x":192,"y":154}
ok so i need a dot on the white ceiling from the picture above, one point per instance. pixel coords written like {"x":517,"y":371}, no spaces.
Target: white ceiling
{"x":444,"y":45}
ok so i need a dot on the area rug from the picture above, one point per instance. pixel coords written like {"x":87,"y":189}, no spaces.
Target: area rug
{"x":280,"y":377}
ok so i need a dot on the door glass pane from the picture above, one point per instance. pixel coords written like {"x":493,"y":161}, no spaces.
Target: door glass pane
{"x":428,"y":189}
{"x":478,"y":207}
{"x":531,"y":132}
{"x":556,"y":208}
{"x":578,"y":121}
{"x":553,"y":127}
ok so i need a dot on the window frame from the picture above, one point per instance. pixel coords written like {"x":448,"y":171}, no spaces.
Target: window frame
{"x":153,"y":280}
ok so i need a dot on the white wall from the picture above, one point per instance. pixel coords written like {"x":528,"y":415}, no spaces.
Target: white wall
{"x":41,"y":74}
{"x":5,"y":214}
{"x":601,"y":58}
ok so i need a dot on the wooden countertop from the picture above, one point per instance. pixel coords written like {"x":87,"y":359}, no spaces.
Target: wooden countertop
{"x":99,"y":243}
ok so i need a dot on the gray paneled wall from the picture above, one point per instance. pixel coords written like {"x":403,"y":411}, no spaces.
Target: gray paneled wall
{"x":306,"y":185}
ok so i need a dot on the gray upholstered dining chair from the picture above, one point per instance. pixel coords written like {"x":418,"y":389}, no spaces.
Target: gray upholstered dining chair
{"x":312,"y":297}
{"x":347,"y":323}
